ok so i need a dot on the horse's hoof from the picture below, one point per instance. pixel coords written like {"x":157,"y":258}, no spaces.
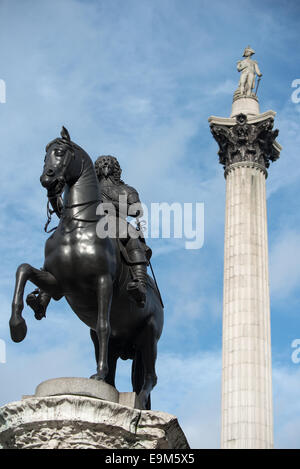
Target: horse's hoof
{"x":18,"y":329}
{"x":35,"y":304}
{"x":97,"y":377}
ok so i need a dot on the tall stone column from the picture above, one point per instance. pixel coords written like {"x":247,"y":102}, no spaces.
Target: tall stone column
{"x":247,"y":144}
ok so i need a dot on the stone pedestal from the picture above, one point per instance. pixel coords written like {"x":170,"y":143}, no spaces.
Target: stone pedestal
{"x":247,"y":144}
{"x":74,"y":417}
{"x":244,"y":104}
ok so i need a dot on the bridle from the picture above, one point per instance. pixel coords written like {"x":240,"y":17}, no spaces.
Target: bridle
{"x":85,"y":205}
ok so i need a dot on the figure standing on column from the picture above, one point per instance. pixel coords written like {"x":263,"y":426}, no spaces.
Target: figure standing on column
{"x":249,"y":69}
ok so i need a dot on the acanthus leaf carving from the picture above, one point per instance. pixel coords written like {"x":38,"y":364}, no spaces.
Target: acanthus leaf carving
{"x":248,"y":142}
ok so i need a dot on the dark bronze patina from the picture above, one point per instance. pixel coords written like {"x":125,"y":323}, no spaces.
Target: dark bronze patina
{"x":91,"y":274}
{"x":114,"y":190}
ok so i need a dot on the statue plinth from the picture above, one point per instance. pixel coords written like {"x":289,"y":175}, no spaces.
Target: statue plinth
{"x":248,"y":105}
{"x":74,"y":415}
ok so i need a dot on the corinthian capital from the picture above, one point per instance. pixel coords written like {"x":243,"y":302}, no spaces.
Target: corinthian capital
{"x":245,"y":141}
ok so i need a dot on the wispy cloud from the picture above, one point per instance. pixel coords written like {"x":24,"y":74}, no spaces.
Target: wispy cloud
{"x":139,"y":79}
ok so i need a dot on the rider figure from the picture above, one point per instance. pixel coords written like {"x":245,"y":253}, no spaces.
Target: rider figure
{"x":126,"y":201}
{"x":108,"y":172}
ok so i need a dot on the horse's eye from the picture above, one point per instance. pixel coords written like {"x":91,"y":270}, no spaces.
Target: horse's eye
{"x":59,"y":152}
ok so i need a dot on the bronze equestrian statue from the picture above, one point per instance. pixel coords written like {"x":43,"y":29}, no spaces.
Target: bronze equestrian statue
{"x":91,"y":273}
{"x":109,"y":172}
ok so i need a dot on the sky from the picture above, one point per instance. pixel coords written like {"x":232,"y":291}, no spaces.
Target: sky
{"x":138,"y":79}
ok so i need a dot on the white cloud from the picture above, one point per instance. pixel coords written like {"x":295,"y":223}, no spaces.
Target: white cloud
{"x":228,"y":87}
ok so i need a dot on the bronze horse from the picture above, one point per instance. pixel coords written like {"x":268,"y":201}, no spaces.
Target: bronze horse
{"x":90,"y":273}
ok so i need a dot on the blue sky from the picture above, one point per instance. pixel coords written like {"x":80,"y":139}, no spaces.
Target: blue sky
{"x":138,"y":79}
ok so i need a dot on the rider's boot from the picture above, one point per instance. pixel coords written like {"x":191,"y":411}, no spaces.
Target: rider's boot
{"x":137,"y":286}
{"x":38,"y":300}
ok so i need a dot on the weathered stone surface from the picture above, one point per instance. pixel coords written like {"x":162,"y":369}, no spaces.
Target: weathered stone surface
{"x":78,"y":422}
{"x":129,"y":399}
{"x":78,"y":386}
{"x":245,"y":105}
{"x":86,"y":387}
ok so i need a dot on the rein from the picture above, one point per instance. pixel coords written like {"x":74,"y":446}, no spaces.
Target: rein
{"x":70,"y":218}
{"x":49,"y":216}
{"x":89,"y":204}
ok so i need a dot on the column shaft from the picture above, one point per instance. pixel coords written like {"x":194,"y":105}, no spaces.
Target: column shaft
{"x":246,"y":383}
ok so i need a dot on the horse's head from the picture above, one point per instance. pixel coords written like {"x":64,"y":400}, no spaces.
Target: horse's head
{"x":62,"y":165}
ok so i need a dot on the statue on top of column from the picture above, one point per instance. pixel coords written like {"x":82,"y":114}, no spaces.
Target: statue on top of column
{"x":249,"y":69}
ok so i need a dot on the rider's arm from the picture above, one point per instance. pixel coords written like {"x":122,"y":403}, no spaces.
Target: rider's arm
{"x":135,"y":208}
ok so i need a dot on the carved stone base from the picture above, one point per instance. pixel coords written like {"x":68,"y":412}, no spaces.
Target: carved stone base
{"x":246,"y":105}
{"x":77,"y":422}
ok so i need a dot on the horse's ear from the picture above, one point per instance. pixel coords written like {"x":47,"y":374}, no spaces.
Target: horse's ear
{"x":65,"y":134}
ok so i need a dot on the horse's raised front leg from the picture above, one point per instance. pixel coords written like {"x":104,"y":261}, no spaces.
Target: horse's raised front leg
{"x":104,"y":298}
{"x":41,"y":279}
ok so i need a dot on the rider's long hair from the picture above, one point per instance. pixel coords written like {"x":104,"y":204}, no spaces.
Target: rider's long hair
{"x":117,"y":168}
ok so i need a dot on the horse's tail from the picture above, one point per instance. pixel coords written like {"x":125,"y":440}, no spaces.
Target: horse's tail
{"x":137,"y":376}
